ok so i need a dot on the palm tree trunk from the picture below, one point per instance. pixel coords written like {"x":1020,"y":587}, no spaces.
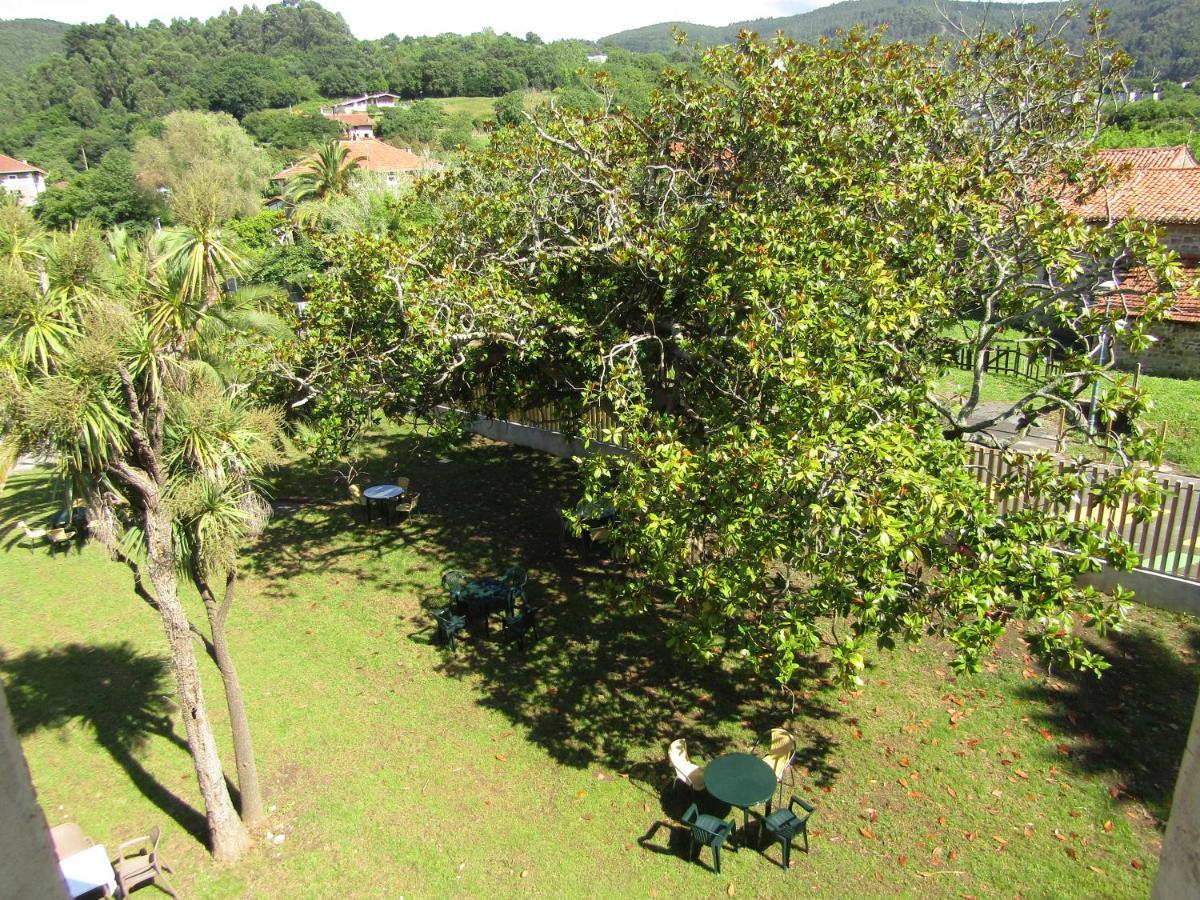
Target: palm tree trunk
{"x":228,"y":835}
{"x":239,"y":723}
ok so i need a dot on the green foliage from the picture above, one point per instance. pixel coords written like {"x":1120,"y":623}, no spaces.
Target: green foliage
{"x":1162,"y":35}
{"x":107,"y":193}
{"x":755,"y":282}
{"x":209,"y":166}
{"x":24,"y":42}
{"x":290,"y":130}
{"x":418,"y":123}
{"x":510,"y":109}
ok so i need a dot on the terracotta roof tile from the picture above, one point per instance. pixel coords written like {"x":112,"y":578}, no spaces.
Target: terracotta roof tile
{"x":373,"y":156}
{"x":352,"y":120}
{"x":10,"y":166}
{"x":1178,"y":157}
{"x":1162,"y":196}
{"x":1138,"y":283}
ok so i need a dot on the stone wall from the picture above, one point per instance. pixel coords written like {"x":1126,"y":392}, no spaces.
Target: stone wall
{"x":1175,"y":354}
{"x":1183,"y":239}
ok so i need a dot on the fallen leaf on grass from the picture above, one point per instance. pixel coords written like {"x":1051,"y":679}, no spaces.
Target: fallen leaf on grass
{"x":580,"y":794}
{"x":1028,"y":831}
{"x":902,"y":860}
{"x":1046,"y":734}
{"x":501,"y":757}
{"x":729,"y":890}
{"x":942,"y":821}
{"x":524,"y":873}
{"x":952,"y":792}
{"x":1071,"y":852}
{"x":1136,"y":863}
{"x":866,"y":832}
{"x":904,"y":761}
{"x":1097,"y":870}
{"x":1108,"y":826}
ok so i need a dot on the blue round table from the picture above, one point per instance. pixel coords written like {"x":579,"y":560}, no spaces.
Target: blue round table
{"x":742,"y":780}
{"x":382,"y":493}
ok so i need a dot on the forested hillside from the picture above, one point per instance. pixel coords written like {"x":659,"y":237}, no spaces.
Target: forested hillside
{"x":1162,"y":35}
{"x":24,"y":42}
{"x":110,"y":83}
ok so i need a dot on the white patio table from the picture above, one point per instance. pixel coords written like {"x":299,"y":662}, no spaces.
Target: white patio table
{"x":88,"y":870}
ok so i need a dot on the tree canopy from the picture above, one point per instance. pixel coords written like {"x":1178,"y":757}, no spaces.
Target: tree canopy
{"x":757,"y":283}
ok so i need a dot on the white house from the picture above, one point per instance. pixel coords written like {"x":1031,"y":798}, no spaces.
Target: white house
{"x":382,"y":99}
{"x":19,"y":177}
{"x":598,"y":58}
{"x":356,"y":126}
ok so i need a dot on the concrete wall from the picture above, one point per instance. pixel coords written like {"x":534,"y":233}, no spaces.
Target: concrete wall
{"x":1176,"y":353}
{"x":1179,"y":867}
{"x":553,"y":442}
{"x":28,"y":866}
{"x":1150,"y":588}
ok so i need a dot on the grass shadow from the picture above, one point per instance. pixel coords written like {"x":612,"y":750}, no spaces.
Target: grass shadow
{"x":1132,"y":723}
{"x":119,"y":694}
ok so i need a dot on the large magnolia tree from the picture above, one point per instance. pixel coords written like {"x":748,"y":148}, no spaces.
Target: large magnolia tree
{"x":761,"y":282}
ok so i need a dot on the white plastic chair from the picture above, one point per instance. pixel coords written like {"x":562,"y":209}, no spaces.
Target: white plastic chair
{"x":686,"y":771}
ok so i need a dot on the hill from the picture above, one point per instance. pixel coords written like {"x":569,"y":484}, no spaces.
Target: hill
{"x":1162,"y":35}
{"x":24,"y":42}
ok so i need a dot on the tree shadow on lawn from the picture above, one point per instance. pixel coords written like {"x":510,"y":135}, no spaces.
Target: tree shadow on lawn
{"x":1132,"y":723}
{"x":483,"y":506}
{"x":121,"y":695}
{"x":599,"y":687}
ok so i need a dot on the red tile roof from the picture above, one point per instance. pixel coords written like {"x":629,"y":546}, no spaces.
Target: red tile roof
{"x":10,"y":166}
{"x":1137,"y":282}
{"x":1161,"y":196}
{"x":1178,"y":157}
{"x":373,"y":155}
{"x":352,"y":120}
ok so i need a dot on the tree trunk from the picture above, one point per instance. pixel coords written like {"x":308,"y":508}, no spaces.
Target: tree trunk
{"x":227,"y":833}
{"x":239,"y":722}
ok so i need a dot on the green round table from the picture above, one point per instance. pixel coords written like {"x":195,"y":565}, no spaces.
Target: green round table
{"x":742,"y":780}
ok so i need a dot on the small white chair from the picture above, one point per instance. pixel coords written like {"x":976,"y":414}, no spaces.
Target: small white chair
{"x":686,"y":771}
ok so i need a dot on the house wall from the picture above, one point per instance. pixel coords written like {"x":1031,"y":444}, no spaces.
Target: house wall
{"x":1176,"y":353}
{"x":27,"y":185}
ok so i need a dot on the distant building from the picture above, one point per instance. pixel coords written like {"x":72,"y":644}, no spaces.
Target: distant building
{"x":597,"y":58}
{"x":381,"y":99}
{"x":375,"y":156}
{"x":1162,"y":187}
{"x":18,"y":177}
{"x":356,"y":126}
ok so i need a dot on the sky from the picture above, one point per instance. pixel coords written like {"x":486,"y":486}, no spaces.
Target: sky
{"x":551,"y":19}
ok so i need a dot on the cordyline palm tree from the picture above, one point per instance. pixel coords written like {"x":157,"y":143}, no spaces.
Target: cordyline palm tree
{"x":169,"y":462}
{"x":330,"y":173}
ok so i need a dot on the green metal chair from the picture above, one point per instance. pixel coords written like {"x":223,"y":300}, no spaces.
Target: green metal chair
{"x":709,"y":831}
{"x":449,"y":626}
{"x":515,"y":578}
{"x":784,"y":825}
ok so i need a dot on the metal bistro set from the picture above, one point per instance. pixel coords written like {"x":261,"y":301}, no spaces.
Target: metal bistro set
{"x":743,"y":781}
{"x":472,"y":601}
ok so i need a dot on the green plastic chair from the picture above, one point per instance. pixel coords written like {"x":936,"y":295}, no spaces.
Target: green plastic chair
{"x":709,"y":831}
{"x":520,"y":626}
{"x":455,"y":583}
{"x":449,"y":626}
{"x":784,"y":825}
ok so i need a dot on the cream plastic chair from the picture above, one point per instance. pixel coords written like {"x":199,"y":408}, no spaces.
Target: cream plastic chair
{"x":686,"y":771}
{"x":32,"y":535}
{"x":781,"y":746}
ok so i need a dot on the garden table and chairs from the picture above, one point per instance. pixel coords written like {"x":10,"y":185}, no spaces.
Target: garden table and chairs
{"x":84,"y":864}
{"x":474,"y":600}
{"x":387,"y":495}
{"x":741,"y":780}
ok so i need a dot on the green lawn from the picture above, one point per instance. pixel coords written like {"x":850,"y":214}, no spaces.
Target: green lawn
{"x":394,"y":768}
{"x":481,"y":107}
{"x":1175,"y":401}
